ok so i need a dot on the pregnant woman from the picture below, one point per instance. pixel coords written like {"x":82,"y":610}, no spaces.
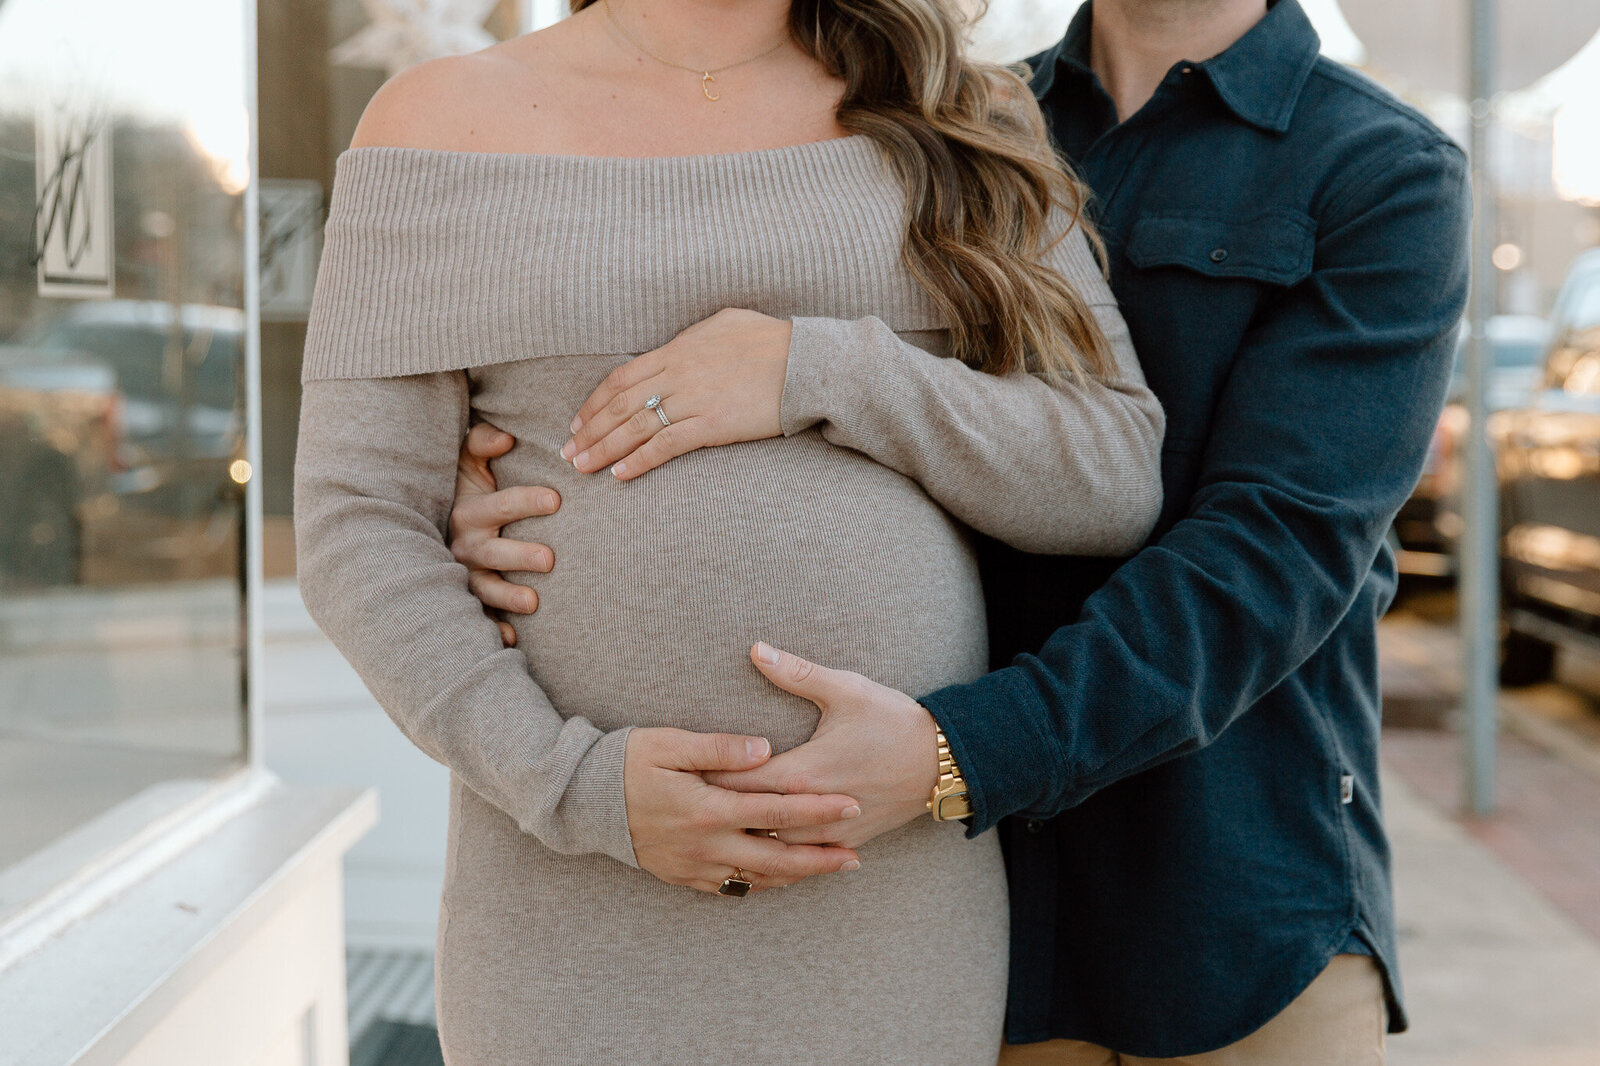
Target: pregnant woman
{"x":507,"y":230}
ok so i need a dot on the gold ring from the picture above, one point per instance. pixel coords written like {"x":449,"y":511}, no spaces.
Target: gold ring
{"x":737,"y":886}
{"x":773,"y":833}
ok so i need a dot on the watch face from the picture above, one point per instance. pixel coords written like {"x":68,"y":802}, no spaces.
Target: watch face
{"x":954,"y":806}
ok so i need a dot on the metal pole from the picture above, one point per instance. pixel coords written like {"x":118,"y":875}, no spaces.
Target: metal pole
{"x":1480,"y":543}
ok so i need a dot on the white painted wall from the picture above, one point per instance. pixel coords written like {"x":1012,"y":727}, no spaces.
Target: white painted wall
{"x":323,"y":728}
{"x":277,"y":1000}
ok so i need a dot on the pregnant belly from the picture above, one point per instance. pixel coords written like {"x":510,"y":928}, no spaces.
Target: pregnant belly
{"x":662,"y":584}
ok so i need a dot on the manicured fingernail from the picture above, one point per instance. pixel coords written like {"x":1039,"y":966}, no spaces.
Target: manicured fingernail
{"x":577,"y":424}
{"x":757,"y":747}
{"x":766,"y":653}
{"x":850,"y":812}
{"x":617,"y":469}
{"x":852,"y":864}
{"x":580,"y":460}
{"x":568,"y":448}
{"x":529,"y":603}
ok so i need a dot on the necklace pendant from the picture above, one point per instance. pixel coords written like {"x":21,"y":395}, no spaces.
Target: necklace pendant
{"x":705,"y":86}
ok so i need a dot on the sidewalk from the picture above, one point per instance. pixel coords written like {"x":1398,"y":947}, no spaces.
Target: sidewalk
{"x":1499,"y":917}
{"x":1494,"y":974}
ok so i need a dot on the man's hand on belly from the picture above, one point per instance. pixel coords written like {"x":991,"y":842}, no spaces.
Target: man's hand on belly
{"x":688,"y":832}
{"x":872,"y":742}
{"x":481,"y":509}
{"x":684,"y":831}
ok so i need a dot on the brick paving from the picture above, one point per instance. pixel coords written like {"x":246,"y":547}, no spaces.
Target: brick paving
{"x":1547,"y":825}
{"x":1546,"y":828}
{"x":1500,"y":916}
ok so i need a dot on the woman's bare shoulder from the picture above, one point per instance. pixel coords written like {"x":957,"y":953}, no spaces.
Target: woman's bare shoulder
{"x":486,"y":101}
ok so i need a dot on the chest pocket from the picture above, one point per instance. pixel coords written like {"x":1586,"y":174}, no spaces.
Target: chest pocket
{"x":1275,"y":247}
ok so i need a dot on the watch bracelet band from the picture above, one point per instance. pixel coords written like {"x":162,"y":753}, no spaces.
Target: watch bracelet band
{"x":950,"y":791}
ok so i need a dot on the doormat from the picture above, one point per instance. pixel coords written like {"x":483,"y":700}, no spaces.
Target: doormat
{"x":391,"y":1043}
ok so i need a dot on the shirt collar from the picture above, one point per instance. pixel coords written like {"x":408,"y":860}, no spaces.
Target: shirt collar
{"x":1258,"y":77}
{"x":1072,"y":52}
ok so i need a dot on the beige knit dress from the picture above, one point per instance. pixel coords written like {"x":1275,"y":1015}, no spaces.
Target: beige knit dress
{"x":456,"y":286}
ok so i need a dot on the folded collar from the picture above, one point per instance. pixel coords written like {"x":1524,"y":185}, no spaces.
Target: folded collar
{"x":1258,"y":77}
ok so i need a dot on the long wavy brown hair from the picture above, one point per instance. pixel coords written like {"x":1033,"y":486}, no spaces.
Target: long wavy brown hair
{"x":968,"y":142}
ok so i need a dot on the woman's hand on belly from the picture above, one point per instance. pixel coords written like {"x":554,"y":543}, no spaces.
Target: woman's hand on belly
{"x":720,"y":382}
{"x":687,"y":832}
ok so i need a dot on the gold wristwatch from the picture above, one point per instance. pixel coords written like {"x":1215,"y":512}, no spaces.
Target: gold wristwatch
{"x":949,"y":801}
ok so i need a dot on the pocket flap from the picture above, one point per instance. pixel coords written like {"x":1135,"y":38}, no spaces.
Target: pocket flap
{"x":1274,"y":247}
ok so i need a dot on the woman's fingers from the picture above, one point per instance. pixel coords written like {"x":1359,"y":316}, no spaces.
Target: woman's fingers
{"x":618,"y":381}
{"x":766,"y":864}
{"x":686,"y":751}
{"x":817,"y":834}
{"x":624,"y":441}
{"x":508,"y":635}
{"x":618,"y":429}
{"x":689,"y":833}
{"x":772,"y":858}
{"x":669,"y":442}
{"x":770,"y":864}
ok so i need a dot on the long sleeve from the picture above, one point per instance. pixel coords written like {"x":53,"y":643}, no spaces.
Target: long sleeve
{"x":374,"y":479}
{"x":1315,"y":443}
{"x":1052,"y":469}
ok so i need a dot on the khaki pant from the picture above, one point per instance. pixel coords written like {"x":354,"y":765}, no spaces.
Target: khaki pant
{"x":1339,"y":1020}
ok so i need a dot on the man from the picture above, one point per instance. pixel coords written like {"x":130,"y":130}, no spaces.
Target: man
{"x":1180,"y":749}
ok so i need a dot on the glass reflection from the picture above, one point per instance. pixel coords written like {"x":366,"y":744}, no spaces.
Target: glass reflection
{"x":123,"y":163}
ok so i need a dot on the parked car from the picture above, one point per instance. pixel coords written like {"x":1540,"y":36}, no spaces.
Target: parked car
{"x":59,"y":434}
{"x":1429,"y":524}
{"x":182,"y":422}
{"x":1549,"y":463}
{"x":167,"y":379}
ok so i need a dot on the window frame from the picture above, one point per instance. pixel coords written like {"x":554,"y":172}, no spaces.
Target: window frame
{"x":87,"y":867}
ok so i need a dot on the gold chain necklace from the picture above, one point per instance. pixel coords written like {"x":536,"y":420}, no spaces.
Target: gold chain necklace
{"x":705,"y":75}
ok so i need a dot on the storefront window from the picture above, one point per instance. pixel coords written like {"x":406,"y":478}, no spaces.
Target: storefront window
{"x":124,"y":163}
{"x":320,"y":61}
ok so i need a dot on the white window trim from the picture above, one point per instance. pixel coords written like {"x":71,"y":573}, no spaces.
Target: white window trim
{"x":82,"y":871}
{"x":107,"y":971}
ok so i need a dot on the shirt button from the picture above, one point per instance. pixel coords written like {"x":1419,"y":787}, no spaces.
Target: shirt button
{"x":1218,"y":254}
{"x":1033,"y":825}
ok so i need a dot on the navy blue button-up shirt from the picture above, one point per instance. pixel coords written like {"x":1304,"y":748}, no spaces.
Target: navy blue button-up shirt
{"x":1190,"y":737}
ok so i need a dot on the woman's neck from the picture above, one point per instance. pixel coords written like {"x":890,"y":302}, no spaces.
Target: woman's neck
{"x":704,"y":34}
{"x":1133,"y":43}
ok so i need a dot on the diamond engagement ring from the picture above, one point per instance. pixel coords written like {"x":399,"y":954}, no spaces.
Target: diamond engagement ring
{"x":654,"y":404}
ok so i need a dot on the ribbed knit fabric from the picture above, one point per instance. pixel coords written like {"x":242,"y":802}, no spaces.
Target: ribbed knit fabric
{"x":481,"y":253}
{"x":462,"y":285}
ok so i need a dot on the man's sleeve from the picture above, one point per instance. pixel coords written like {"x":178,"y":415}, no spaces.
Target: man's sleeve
{"x":1317,"y":439}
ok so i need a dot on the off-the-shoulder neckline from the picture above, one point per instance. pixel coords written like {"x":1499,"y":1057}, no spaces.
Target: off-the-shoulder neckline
{"x":570,"y":160}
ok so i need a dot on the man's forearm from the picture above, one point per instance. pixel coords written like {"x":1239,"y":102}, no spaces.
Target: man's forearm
{"x":1315,"y":443}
